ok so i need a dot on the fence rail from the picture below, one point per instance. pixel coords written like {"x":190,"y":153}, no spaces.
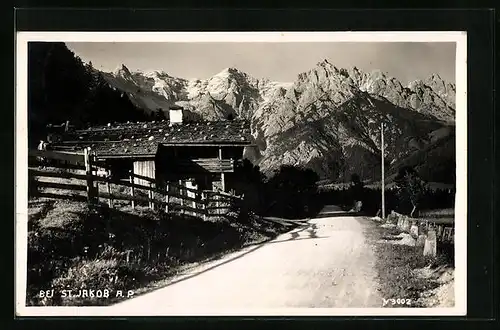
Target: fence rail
{"x":204,"y":203}
{"x":58,"y":155}
{"x":63,"y":175}
{"x":68,"y":186}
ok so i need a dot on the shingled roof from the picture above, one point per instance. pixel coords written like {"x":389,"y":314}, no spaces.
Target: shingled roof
{"x":143,"y":138}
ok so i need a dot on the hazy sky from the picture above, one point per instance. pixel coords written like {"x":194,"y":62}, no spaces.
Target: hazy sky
{"x":406,"y":61}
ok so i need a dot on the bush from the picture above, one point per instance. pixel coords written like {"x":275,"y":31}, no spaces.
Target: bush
{"x":410,"y":187}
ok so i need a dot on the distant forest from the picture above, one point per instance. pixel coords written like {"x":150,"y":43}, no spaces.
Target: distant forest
{"x":61,"y":87}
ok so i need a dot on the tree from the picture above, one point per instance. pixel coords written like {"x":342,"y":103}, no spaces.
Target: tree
{"x":61,"y":87}
{"x":410,"y":187}
{"x":292,"y":190}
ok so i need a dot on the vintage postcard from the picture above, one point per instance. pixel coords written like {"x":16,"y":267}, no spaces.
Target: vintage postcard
{"x":315,"y":173}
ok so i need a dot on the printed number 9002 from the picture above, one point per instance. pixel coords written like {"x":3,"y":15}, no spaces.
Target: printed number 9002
{"x":398,"y":301}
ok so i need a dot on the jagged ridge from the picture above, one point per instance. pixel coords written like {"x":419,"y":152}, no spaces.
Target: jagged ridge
{"x":328,"y":119}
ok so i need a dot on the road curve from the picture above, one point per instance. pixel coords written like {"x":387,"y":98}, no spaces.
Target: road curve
{"x":327,"y":263}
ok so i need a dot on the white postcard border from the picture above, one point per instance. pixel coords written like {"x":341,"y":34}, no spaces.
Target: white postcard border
{"x":21,"y":161}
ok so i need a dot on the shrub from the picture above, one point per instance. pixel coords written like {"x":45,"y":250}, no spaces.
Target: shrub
{"x":291,"y":192}
{"x":410,"y":187}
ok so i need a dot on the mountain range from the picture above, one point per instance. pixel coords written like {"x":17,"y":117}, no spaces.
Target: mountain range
{"x":328,"y":119}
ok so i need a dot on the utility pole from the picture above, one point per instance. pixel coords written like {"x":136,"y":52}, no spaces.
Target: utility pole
{"x":383,"y":170}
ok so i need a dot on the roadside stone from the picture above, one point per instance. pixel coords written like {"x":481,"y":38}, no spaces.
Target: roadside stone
{"x":430,"y":245}
{"x":406,"y":224}
{"x":414,"y":231}
{"x":421,"y":240}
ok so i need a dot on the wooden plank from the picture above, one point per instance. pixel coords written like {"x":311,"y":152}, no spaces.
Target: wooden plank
{"x":67,"y":186}
{"x":204,"y":205}
{"x":222,"y":194}
{"x":218,"y":207}
{"x":181,"y":189}
{"x":65,"y":196}
{"x":88,"y":172}
{"x":132,"y":191}
{"x":152,"y":191}
{"x":110,"y":200}
{"x":64,"y":175}
{"x":58,"y":155}
{"x":65,"y":166}
{"x":167,"y":197}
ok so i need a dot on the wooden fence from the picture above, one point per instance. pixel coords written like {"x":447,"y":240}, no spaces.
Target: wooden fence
{"x":171,"y":197}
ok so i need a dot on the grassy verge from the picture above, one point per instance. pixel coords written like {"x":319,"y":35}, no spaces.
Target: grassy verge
{"x":72,"y":247}
{"x":397,"y":267}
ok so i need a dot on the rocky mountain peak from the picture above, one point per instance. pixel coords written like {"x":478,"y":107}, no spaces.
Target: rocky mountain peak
{"x":435,"y":77}
{"x":229,"y":72}
{"x":324,"y":63}
{"x":123,"y":72}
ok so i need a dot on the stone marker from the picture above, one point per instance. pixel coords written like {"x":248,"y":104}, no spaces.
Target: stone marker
{"x":391,"y":217}
{"x":430,"y":245}
{"x":406,"y":224}
{"x":439,"y":231}
{"x":400,"y":223}
{"x":421,"y":240}
{"x":414,"y":230}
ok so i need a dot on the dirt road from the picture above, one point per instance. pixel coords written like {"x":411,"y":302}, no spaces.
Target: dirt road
{"x":326,"y":263}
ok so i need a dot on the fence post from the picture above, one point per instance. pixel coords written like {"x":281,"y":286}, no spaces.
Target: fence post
{"x":92,"y":162}
{"x":167,"y":197}
{"x":194,"y":206}
{"x":88,"y":173}
{"x":180,"y":193}
{"x":132,"y":190}
{"x":149,"y":250}
{"x":110,"y":200}
{"x":217,"y":204}
{"x":152,"y":193}
{"x":204,"y":202}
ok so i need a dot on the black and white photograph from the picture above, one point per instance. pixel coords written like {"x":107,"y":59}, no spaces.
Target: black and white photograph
{"x":241,"y":173}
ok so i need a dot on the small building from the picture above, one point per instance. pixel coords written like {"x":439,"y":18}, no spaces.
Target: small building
{"x":200,"y":154}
